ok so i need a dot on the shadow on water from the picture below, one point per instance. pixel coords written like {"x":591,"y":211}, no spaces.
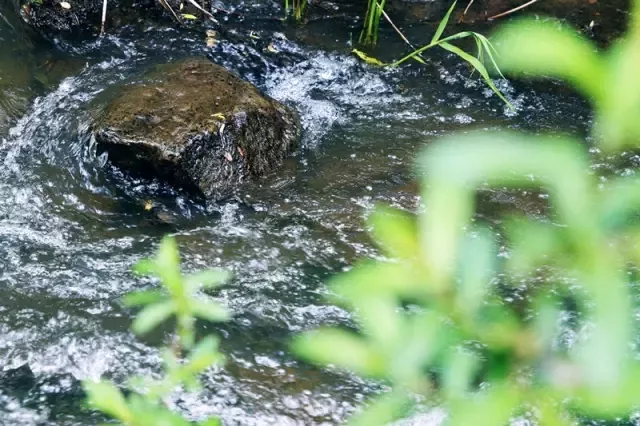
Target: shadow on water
{"x":71,"y":226}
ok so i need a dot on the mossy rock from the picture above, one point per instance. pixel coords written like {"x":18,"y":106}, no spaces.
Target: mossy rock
{"x":198,"y":127}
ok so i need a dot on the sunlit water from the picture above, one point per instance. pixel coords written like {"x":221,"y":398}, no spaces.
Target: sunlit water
{"x":71,"y":227}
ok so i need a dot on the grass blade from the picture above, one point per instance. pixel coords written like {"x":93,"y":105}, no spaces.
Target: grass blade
{"x":477,"y":65}
{"x":443,"y":24}
{"x":488,"y":47}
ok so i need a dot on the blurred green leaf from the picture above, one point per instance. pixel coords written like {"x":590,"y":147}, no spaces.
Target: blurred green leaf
{"x":209,"y":310}
{"x":477,"y":262}
{"x":459,"y":374}
{"x":534,"y":243}
{"x":393,"y":279}
{"x":211,"y":422}
{"x":383,"y":410}
{"x":396,"y":231}
{"x":144,"y":267}
{"x":549,"y":49}
{"x":204,"y":354}
{"x":144,"y":297}
{"x":105,"y":397}
{"x":494,"y":407}
{"x":208,"y":279}
{"x":152,"y":316}
{"x":618,"y":109}
{"x":341,"y":348}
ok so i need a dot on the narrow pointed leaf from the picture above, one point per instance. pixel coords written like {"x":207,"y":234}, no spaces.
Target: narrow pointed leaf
{"x":209,"y":310}
{"x":152,"y":316}
{"x":342,"y":349}
{"x":478,"y":66}
{"x":443,"y":24}
{"x":107,"y":398}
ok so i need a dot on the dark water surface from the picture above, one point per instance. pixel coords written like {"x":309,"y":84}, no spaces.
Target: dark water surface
{"x":70,"y":228}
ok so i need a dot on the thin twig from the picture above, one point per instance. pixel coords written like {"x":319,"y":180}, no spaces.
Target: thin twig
{"x":204,"y":11}
{"x":515,"y":9}
{"x":104,"y":16}
{"x":466,"y":9}
{"x":170,"y":9}
{"x":396,"y":28}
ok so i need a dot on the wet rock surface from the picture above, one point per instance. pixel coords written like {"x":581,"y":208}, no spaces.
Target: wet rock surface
{"x":198,"y":127}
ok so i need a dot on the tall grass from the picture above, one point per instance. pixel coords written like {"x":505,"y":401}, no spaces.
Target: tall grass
{"x":484,"y":46}
{"x":295,"y":8}
{"x":369,"y":33}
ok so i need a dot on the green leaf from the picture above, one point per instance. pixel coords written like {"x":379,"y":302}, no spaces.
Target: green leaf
{"x":380,"y":319}
{"x":152,"y":316}
{"x":383,"y":410}
{"x":145,"y":267}
{"x":213,"y":421}
{"x":107,"y":398}
{"x":491,"y":408}
{"x":478,"y":66}
{"x":393,"y":279}
{"x":343,"y":349}
{"x":167,"y":264}
{"x":548,"y":49}
{"x":619,"y":107}
{"x":396,"y":231}
{"x":209,"y":310}
{"x":534,"y":243}
{"x":443,"y":24}
{"x":205,"y":354}
{"x":368,"y":59}
{"x":459,"y":373}
{"x":477,"y":266}
{"x":189,"y":16}
{"x":208,"y":279}
{"x":144,"y":297}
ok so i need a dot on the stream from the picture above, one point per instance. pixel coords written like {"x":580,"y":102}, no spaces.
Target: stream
{"x":71,"y":227}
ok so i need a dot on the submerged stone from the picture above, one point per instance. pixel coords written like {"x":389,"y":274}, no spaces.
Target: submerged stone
{"x":198,"y":127}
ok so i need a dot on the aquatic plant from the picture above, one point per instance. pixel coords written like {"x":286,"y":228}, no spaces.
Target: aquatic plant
{"x":369,"y":33}
{"x":295,"y":8}
{"x":485,"y":49}
{"x":433,"y":324}
{"x":184,"y":359}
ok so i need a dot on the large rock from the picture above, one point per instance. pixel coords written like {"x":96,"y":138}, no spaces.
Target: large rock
{"x":197,"y":126}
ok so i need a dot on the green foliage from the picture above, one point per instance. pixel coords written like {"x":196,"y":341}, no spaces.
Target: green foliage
{"x":369,"y":33}
{"x":432,"y":322}
{"x":485,"y":48}
{"x":295,"y":8}
{"x":550,"y":49}
{"x":180,"y":300}
{"x":483,"y":44}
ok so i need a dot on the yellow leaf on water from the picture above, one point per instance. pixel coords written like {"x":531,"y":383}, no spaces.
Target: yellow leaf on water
{"x":65,"y":5}
{"x":271,"y":49}
{"x":368,"y":59}
{"x":148,"y":205}
{"x":189,"y":16}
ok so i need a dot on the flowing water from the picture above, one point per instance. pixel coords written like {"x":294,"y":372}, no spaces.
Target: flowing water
{"x":71,"y":227}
